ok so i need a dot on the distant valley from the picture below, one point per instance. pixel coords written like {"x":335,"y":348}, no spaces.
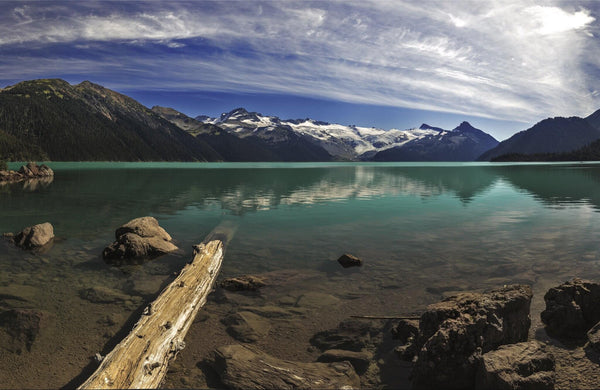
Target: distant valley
{"x":50,"y":119}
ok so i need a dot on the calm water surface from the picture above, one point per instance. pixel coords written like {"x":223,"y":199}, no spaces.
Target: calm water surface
{"x":423,"y":230}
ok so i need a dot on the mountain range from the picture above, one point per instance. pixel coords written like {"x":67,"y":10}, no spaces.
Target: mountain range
{"x":345,"y":143}
{"x":551,"y":136}
{"x":50,"y":119}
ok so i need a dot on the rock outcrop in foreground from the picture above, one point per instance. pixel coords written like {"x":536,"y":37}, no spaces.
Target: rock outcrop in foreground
{"x":241,"y":367}
{"x":517,"y":366}
{"x":139,"y":238}
{"x":454,"y":333}
{"x":29,"y":171}
{"x":572,"y":308}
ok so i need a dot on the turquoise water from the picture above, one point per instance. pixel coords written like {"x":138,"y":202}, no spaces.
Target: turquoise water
{"x":422,"y":229}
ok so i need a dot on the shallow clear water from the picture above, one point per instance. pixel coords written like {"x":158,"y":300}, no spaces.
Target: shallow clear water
{"x":421,"y":229}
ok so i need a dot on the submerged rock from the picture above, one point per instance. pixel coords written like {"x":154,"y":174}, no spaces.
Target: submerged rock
{"x":359,"y":360}
{"x":351,"y":334}
{"x":241,"y":367}
{"x":23,"y":326}
{"x":242,"y":283}
{"x":517,"y":366}
{"x":101,"y":294}
{"x":572,"y":308}
{"x":455,"y":332}
{"x":347,"y":260}
{"x":34,"y":236}
{"x":138,"y":238}
{"x":246,"y":326}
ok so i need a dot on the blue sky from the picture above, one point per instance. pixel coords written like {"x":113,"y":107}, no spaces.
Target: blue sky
{"x":502,"y":65}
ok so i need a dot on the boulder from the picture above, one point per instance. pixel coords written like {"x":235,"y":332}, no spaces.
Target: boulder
{"x":246,"y":326}
{"x":523,"y":366}
{"x":143,"y":227}
{"x":240,"y":367}
{"x":35,"y":236}
{"x":455,"y":332}
{"x":351,"y":334}
{"x":33,"y":170}
{"x":359,"y":360}
{"x":139,"y":238}
{"x":348,"y":260}
{"x":594,"y":337}
{"x":242,"y":283}
{"x":572,"y":308}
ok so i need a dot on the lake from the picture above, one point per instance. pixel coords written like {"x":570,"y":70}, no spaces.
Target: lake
{"x":423,"y":230}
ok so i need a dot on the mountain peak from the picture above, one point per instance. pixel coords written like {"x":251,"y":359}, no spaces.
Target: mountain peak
{"x":465,"y":126}
{"x":425,"y":126}
{"x":236,"y":112}
{"x":239,"y":110}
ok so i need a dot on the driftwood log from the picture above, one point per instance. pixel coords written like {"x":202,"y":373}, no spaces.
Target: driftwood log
{"x":141,"y":359}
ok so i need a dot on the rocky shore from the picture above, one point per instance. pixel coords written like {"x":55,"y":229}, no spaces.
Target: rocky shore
{"x":469,"y":340}
{"x":26,"y":172}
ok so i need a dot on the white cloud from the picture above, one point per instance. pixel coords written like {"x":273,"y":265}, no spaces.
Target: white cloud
{"x":515,"y":60}
{"x":552,"y":20}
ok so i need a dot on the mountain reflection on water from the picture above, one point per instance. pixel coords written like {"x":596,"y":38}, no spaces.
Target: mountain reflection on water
{"x":106,"y":193}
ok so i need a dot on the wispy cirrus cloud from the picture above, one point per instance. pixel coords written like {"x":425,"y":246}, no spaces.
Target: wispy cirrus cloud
{"x":518,"y":60}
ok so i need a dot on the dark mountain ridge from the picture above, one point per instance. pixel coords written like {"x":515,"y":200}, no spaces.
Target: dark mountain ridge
{"x":552,"y":135}
{"x":51,"y":119}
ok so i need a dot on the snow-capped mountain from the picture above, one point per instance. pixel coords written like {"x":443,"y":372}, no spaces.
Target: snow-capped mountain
{"x":360,"y":143}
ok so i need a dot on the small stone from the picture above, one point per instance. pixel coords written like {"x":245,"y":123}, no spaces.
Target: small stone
{"x":242,"y":283}
{"x":269,"y":311}
{"x":348,"y":260}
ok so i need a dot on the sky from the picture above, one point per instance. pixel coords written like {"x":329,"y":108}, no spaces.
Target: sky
{"x":501,"y":65}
